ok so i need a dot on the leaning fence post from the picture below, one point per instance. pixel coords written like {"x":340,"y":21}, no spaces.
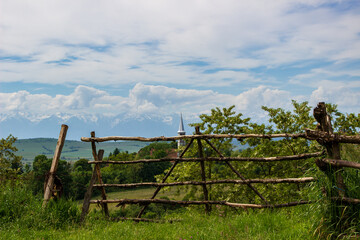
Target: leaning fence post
{"x":50,"y":181}
{"x":87,"y":197}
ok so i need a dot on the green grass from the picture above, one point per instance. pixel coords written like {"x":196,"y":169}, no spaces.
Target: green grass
{"x":72,"y":151}
{"x":139,"y":193}
{"x":21,"y":217}
{"x":284,"y":224}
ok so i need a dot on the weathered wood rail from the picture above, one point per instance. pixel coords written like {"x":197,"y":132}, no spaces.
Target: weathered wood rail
{"x":196,"y":136}
{"x":219,"y":159}
{"x":264,"y":181}
{"x":323,"y":135}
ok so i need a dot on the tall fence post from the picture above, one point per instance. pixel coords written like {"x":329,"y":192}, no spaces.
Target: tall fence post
{"x":332,"y":148}
{"x":49,"y":185}
{"x":87,"y":197}
{"x":98,"y":173}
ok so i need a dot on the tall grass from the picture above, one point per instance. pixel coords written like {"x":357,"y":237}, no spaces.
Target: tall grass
{"x":19,"y":207}
{"x":283,"y":224}
{"x":22,"y":217}
{"x":336,"y":220}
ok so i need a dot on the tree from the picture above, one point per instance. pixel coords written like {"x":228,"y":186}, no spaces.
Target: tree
{"x":219,"y":121}
{"x":41,"y":167}
{"x":81,"y":175}
{"x":222,"y":121}
{"x":226,"y":121}
{"x":82,"y":165}
{"x":156,"y":150}
{"x":116,"y":152}
{"x":10,"y":163}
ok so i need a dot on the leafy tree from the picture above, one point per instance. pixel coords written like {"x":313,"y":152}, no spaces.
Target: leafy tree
{"x":157,"y":150}
{"x":81,"y":175}
{"x":121,"y":173}
{"x":219,"y":121}
{"x":10,"y":163}
{"x":41,"y":167}
{"x":82,"y":165}
{"x":116,"y":151}
{"x":222,"y":121}
{"x":226,"y":121}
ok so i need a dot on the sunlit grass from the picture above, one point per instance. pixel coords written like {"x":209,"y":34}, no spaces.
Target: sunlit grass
{"x":265,"y":224}
{"x":139,"y":193}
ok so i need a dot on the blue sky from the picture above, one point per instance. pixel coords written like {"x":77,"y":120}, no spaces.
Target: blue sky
{"x":90,"y":59}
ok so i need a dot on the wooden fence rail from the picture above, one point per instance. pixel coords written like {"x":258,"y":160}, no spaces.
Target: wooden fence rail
{"x":187,"y":203}
{"x":219,"y":159}
{"x":196,"y":136}
{"x":264,"y":181}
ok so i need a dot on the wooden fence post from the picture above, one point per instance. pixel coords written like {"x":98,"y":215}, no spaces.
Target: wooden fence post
{"x":203,"y":175}
{"x":98,"y":173}
{"x":332,"y":148}
{"x":166,"y":176}
{"x":87,"y":197}
{"x":49,"y":185}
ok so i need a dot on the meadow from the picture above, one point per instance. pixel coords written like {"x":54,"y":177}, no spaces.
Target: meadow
{"x":61,"y":221}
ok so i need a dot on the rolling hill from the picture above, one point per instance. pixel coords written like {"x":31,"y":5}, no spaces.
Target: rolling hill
{"x":72,"y":151}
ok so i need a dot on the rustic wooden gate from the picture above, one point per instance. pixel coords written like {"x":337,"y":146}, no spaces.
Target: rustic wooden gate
{"x":323,"y":135}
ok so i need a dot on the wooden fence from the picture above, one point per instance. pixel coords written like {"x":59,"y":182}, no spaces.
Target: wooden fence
{"x":324,"y":135}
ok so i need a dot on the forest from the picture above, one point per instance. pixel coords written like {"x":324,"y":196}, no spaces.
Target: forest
{"x":22,"y":186}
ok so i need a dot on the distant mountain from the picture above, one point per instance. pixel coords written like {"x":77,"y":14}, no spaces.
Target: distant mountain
{"x":72,"y":151}
{"x":81,"y":126}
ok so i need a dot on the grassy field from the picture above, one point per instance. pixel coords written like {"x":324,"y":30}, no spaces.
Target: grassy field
{"x":72,"y":151}
{"x":283,"y":224}
{"x":139,"y":193}
{"x":22,"y":217}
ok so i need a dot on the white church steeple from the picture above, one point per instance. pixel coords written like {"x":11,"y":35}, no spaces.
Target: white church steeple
{"x":181,"y":132}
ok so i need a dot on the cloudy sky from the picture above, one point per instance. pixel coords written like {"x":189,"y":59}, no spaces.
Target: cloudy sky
{"x":91,"y":59}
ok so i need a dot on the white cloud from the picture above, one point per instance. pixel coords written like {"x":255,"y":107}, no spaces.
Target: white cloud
{"x":347,"y":97}
{"x":143,"y":100}
{"x":117,"y":42}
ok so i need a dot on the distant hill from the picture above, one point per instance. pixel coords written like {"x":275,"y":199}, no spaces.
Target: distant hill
{"x":72,"y":151}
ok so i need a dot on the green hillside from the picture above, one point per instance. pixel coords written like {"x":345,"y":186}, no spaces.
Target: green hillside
{"x":72,"y":151}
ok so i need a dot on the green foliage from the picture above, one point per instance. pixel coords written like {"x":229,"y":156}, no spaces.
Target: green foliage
{"x":347,"y":123}
{"x":226,"y":121}
{"x":41,"y":167}
{"x":121,"y":173}
{"x":19,"y":206}
{"x":156,"y":150}
{"x":82,"y":165}
{"x":16,"y":200}
{"x":282,"y":121}
{"x":339,"y":219}
{"x":10,"y":163}
{"x":222,"y":121}
{"x":62,"y":213}
{"x":81,"y":174}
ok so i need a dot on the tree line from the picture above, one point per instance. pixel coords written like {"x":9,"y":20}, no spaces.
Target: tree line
{"x":75,"y":177}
